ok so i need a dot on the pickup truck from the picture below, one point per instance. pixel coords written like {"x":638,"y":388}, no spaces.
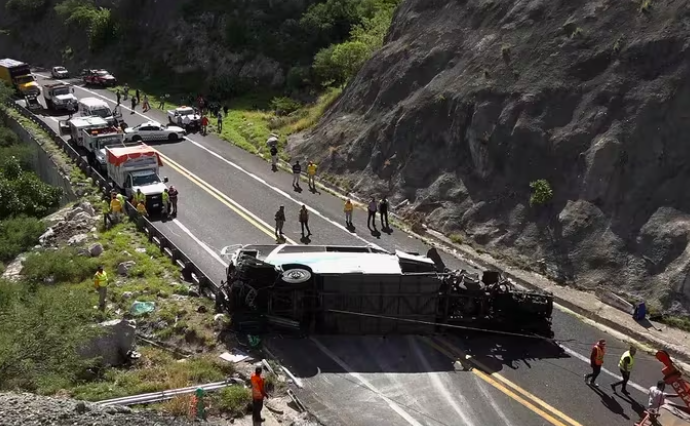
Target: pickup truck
{"x":99,"y":78}
{"x":185,"y":117}
{"x":59,"y":96}
{"x":154,"y":131}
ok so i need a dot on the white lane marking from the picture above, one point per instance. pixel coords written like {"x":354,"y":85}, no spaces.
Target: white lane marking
{"x":238,"y":167}
{"x":440,"y":387}
{"x":201,"y":243}
{"x":492,"y":401}
{"x":604,"y":370}
{"x":395,"y":407}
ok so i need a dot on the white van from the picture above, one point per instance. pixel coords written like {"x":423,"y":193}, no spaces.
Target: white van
{"x":89,"y":107}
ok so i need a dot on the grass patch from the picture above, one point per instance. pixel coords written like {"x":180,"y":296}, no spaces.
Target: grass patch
{"x":18,"y":234}
{"x":456,"y":238}
{"x":156,"y":371}
{"x":234,"y":400}
{"x":64,"y":266}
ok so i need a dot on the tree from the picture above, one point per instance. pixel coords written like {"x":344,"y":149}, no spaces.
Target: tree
{"x":338,"y":63}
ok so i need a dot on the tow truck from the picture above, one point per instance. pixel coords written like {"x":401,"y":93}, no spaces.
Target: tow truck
{"x":98,"y":78}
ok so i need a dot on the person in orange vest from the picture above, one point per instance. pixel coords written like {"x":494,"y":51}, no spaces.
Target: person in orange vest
{"x":596,"y":360}
{"x":258,"y":395}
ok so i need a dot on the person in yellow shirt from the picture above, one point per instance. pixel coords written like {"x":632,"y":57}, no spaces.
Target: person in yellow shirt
{"x":141,"y":208}
{"x":348,"y":212}
{"x":311,"y":174}
{"x":100,"y":283}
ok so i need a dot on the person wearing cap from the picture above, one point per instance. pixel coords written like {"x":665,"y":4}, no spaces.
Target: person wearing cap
{"x":625,"y":365}
{"x":258,"y":395}
{"x":100,"y":283}
{"x":596,"y":360}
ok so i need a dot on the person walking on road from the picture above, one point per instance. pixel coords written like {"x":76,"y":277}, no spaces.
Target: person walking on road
{"x":383,"y":211}
{"x":348,"y":212}
{"x":280,"y":221}
{"x":258,"y":395}
{"x":173,"y":201}
{"x":118,"y":95}
{"x":100,"y":283}
{"x":371,"y":219}
{"x":138,"y":96}
{"x":274,"y":158}
{"x":596,"y":360}
{"x":146,"y":105}
{"x":311,"y":175}
{"x":125,"y":91}
{"x":134,"y":104}
{"x":304,"y":220}
{"x":296,"y":171}
{"x":625,"y":365}
{"x":204,"y":125}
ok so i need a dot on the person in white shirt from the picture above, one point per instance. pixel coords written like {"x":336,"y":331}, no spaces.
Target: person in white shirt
{"x":657,"y":398}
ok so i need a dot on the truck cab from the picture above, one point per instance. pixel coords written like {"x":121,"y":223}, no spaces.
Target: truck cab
{"x":96,"y":140}
{"x":75,"y":126}
{"x":18,"y":75}
{"x":135,"y":168}
{"x":97,"y":107}
{"x":60,"y":96}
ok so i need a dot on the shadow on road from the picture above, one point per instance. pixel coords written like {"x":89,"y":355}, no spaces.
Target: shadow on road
{"x":494,"y":352}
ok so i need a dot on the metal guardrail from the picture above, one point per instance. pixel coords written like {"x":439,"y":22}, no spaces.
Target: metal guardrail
{"x":149,"y":398}
{"x":190,"y":271}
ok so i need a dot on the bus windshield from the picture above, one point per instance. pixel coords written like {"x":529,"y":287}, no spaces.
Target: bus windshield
{"x":103,"y":112}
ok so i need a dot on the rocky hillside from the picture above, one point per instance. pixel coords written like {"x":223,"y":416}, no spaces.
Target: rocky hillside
{"x":470,"y":101}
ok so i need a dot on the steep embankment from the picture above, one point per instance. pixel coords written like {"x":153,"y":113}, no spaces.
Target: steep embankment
{"x":470,"y":101}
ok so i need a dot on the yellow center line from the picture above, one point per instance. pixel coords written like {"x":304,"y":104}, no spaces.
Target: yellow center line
{"x":557,"y":419}
{"x":224,"y":199}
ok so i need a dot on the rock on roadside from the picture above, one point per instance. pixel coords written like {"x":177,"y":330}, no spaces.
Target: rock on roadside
{"x":32,"y":410}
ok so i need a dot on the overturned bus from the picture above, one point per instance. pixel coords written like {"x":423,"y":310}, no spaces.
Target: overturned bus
{"x":364,"y":290}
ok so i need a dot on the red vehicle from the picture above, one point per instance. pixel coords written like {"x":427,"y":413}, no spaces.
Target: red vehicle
{"x":99,"y":78}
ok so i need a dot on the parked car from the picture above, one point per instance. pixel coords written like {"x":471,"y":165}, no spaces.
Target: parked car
{"x":99,"y":78}
{"x":59,"y":72}
{"x":154,"y":131}
{"x":186,"y":117}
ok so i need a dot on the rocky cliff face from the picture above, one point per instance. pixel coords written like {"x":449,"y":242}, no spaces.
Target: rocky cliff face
{"x":471,"y":100}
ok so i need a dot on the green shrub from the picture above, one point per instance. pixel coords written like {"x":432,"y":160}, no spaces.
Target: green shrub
{"x":64,"y":265}
{"x":17,"y":235}
{"x":8,"y":137}
{"x":26,"y":194}
{"x":338,"y":63}
{"x":235,"y":400}
{"x":45,"y":359}
{"x":284,"y":106}
{"x":541,"y":192}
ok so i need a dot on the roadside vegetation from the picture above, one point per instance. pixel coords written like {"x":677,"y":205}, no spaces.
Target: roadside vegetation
{"x":47,"y":310}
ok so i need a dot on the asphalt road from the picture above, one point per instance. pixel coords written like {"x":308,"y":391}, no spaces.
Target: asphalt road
{"x":228,"y":196}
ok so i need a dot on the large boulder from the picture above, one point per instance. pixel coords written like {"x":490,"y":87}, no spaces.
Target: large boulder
{"x":124,"y":267}
{"x":77,"y":239}
{"x":115,"y":339}
{"x":95,"y":249}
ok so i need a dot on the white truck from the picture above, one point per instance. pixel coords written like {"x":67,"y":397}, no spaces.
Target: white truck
{"x":186,"y":117}
{"x":59,"y":96}
{"x":137,"y":167}
{"x":97,"y":140}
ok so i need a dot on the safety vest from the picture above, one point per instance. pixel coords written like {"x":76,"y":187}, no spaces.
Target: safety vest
{"x":165,"y":196}
{"x":599,"y":357}
{"x":621,"y":364}
{"x":348,"y":207}
{"x":139,"y":196}
{"x":311,"y":169}
{"x":121,"y":199}
{"x":257,"y":387}
{"x":115,"y":206}
{"x":100,"y":279}
{"x":141,"y":208}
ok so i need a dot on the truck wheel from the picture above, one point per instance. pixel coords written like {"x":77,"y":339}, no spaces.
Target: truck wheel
{"x":136,"y":139}
{"x":173,"y":137}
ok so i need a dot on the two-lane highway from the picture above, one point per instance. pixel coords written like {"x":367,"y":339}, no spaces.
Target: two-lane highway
{"x":228,"y":196}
